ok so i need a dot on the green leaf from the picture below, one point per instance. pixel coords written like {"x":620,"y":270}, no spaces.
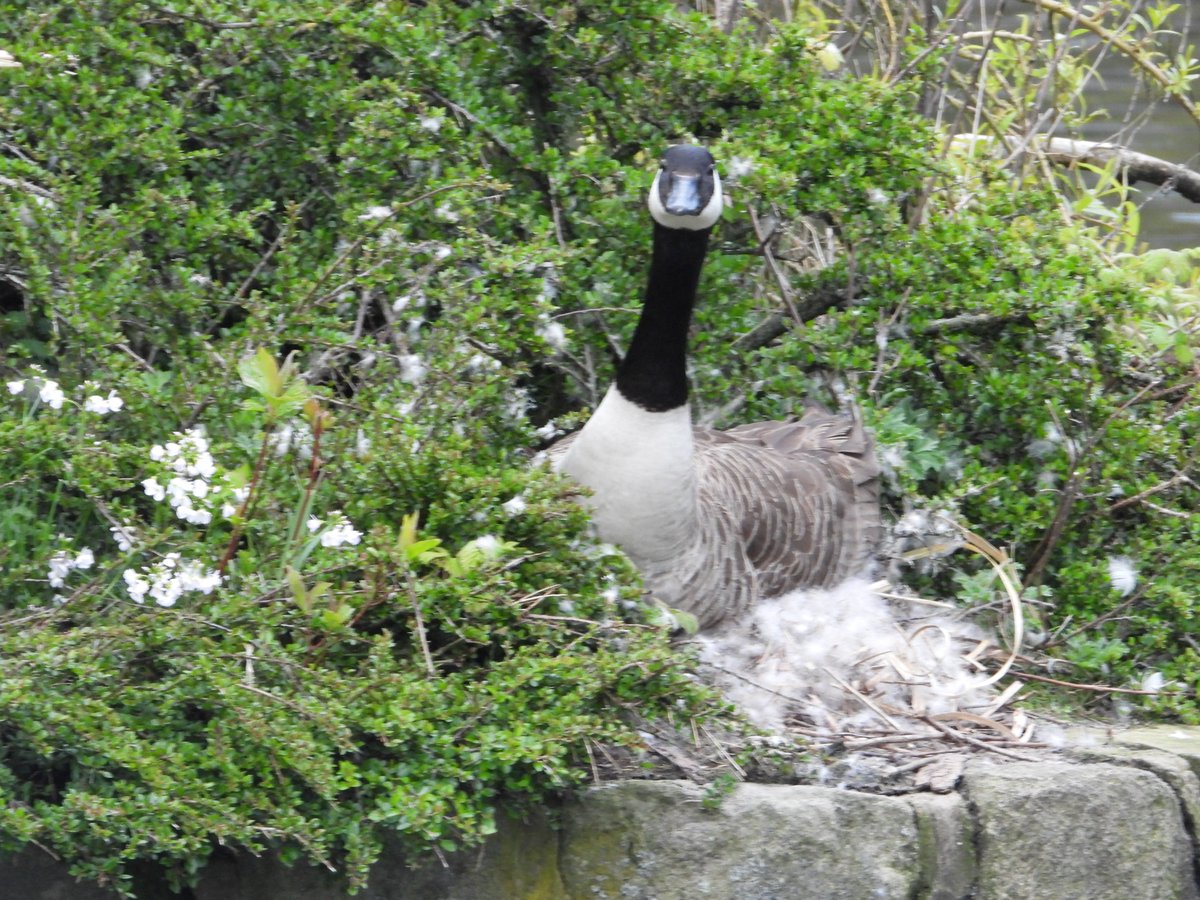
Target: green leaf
{"x":260,"y":372}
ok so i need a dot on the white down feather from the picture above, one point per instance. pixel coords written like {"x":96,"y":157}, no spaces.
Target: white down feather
{"x":797,"y":657}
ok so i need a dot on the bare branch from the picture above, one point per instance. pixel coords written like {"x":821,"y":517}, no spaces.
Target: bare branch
{"x":1133,"y":165}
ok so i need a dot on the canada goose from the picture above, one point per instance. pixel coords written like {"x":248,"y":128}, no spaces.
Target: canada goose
{"x":714,"y":520}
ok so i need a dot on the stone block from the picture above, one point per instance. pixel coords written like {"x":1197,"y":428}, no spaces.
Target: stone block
{"x":1071,"y":832}
{"x":658,"y":841}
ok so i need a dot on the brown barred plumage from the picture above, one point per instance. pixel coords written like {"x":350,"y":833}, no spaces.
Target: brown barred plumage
{"x":781,"y":506}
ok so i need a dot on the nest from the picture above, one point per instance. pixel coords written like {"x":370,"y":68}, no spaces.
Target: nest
{"x":882,"y":681}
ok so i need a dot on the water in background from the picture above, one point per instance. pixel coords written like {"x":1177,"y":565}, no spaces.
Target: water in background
{"x":1168,"y":220}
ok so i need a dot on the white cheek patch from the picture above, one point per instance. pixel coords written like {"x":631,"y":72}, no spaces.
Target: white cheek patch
{"x":705,"y":219}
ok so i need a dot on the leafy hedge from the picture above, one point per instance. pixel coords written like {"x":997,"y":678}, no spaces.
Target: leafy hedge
{"x":223,"y":619}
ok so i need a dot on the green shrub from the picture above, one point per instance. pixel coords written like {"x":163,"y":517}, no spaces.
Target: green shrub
{"x":429,"y":209}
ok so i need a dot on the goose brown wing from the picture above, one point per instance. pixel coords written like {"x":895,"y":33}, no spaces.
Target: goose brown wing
{"x":804,"y":496}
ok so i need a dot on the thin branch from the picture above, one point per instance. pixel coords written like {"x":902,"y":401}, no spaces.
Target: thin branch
{"x":1133,"y":166}
{"x":27,"y":187}
{"x":785,"y":289}
{"x":1150,"y":491}
{"x":974,"y":742}
{"x":1130,"y":49}
{"x":1096,"y":688}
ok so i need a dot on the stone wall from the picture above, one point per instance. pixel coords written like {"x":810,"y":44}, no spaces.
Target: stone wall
{"x":1106,"y":819}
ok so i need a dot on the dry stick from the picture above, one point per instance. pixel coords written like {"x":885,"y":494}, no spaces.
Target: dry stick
{"x":27,"y":187}
{"x":880,"y":357}
{"x":1097,"y":688}
{"x":420,"y":620}
{"x":891,"y":739}
{"x":998,"y":559}
{"x":862,"y":698}
{"x":785,"y":289}
{"x":721,"y":750}
{"x":1150,"y":491}
{"x":975,"y":742}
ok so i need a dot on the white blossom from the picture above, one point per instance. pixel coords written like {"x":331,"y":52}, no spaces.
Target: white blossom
{"x":515,"y":506}
{"x":62,"y":563}
{"x":204,"y":465}
{"x":431,"y":123}
{"x":314,"y":524}
{"x":51,"y":394}
{"x":137,"y":584}
{"x":169,"y":579}
{"x":292,"y":437}
{"x":518,"y":403}
{"x":193,"y":578}
{"x":60,"y":566}
{"x":16,"y":387}
{"x":340,"y":534}
{"x":154,"y":489}
{"x":103,"y":405}
{"x":124,"y":536}
{"x":193,"y":515}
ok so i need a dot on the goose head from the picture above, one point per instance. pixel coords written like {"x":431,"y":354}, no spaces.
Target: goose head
{"x":686,"y":193}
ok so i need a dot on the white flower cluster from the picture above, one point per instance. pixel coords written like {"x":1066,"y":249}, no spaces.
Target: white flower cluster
{"x":50,"y":393}
{"x":339,"y":532}
{"x":48,"y":390}
{"x":289,"y":437}
{"x":103,"y":405}
{"x":189,"y":488}
{"x":169,"y":579}
{"x":63,"y":563}
{"x":124,"y":535}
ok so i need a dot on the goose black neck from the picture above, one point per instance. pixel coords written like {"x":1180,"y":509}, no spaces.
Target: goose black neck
{"x":654,"y":372}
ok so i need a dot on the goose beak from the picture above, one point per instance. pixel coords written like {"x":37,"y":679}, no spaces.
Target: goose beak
{"x":684,"y":197}
{"x":686,"y":193}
